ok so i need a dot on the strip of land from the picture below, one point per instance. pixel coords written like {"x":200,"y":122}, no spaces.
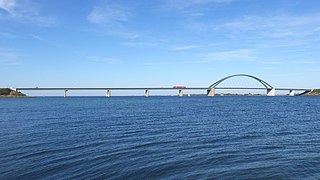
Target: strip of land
{"x":9,"y":93}
{"x":315,"y":92}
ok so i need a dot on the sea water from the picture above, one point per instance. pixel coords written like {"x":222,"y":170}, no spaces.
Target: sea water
{"x":160,"y":138}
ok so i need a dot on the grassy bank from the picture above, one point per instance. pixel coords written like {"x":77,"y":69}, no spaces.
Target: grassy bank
{"x":315,"y":92}
{"x":7,"y":92}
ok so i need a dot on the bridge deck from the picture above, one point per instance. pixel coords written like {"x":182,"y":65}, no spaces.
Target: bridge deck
{"x":153,"y":88}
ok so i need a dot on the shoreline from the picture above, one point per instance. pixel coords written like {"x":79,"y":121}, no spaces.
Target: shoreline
{"x":10,"y":93}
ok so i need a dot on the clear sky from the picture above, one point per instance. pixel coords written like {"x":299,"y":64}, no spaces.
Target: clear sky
{"x":118,"y":43}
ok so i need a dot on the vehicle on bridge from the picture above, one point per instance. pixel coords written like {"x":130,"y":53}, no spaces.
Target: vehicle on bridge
{"x":179,"y":87}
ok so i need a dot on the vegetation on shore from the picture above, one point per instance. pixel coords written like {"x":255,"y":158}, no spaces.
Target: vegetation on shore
{"x":315,"y":92}
{"x":7,"y":92}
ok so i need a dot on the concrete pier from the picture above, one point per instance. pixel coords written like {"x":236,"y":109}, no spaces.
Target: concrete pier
{"x":211,"y":92}
{"x":291,"y":93}
{"x":65,"y":93}
{"x":180,"y":92}
{"x":271,"y":92}
{"x":108,"y":93}
{"x":147,"y":92}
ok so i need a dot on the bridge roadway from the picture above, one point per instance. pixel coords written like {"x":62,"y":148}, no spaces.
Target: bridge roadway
{"x":210,"y":90}
{"x":152,"y":88}
{"x":271,"y":91}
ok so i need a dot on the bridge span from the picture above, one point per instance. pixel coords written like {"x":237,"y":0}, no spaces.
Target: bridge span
{"x":210,"y":91}
{"x":270,"y":90}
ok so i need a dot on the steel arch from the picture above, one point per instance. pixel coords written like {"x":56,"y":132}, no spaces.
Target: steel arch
{"x":265,"y":84}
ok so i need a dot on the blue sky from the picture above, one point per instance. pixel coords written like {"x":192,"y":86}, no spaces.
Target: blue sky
{"x":117,"y":43}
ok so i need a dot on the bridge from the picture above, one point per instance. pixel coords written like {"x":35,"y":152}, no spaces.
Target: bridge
{"x":270,"y":90}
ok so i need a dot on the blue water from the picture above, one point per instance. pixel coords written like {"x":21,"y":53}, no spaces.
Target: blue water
{"x":160,"y":138}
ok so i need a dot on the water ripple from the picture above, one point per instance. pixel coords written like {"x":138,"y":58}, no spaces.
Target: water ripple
{"x":160,"y":138}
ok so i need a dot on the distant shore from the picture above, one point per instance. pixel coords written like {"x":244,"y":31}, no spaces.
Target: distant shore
{"x":9,"y":93}
{"x":315,"y":92}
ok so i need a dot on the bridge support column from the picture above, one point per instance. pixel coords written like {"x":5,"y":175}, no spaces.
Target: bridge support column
{"x":147,"y":93}
{"x":291,"y":93}
{"x":65,"y":93}
{"x":271,"y":92}
{"x":180,"y":92}
{"x":108,"y":93}
{"x":211,"y":92}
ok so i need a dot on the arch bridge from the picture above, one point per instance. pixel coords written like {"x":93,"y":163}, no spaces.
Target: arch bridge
{"x":271,"y":91}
